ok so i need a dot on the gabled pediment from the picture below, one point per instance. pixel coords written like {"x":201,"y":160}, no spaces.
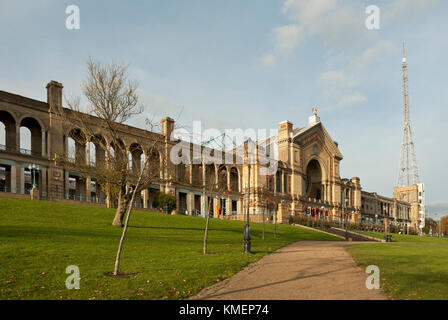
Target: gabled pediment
{"x":303,"y":136}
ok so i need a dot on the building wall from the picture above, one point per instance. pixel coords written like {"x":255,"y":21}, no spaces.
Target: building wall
{"x":307,"y":176}
{"x":415,"y":196}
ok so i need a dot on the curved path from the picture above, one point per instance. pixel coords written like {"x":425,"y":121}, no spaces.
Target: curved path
{"x":306,"y":270}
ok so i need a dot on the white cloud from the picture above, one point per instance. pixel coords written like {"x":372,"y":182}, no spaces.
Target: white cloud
{"x":341,"y":24}
{"x":334,"y":22}
{"x":287,"y":38}
{"x":268,"y":60}
{"x":337,"y":78}
{"x":351,"y":99}
{"x":307,"y":10}
{"x":374,"y":53}
{"x":338,"y":89}
{"x":412,"y":11}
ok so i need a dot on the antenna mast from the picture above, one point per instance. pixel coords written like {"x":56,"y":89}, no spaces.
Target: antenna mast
{"x":408,"y":174}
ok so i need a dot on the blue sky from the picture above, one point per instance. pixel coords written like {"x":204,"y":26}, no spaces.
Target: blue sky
{"x":252,"y":64}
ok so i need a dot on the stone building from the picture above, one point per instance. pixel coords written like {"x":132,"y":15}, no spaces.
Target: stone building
{"x":414,"y":195}
{"x":385,"y":211}
{"x":306,"y":179}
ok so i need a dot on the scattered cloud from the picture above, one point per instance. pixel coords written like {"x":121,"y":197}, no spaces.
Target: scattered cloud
{"x":287,"y":38}
{"x":334,"y":22}
{"x":341,"y":25}
{"x":338,"y":89}
{"x":374,"y":53}
{"x":268,"y":60}
{"x":351,"y":99}
{"x":412,"y":11}
{"x":337,"y":78}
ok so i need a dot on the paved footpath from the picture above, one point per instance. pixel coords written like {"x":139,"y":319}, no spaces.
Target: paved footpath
{"x":306,"y":270}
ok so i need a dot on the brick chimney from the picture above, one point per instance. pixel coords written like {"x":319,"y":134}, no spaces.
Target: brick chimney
{"x":284,"y":130}
{"x":54,"y":95}
{"x":167,"y":127}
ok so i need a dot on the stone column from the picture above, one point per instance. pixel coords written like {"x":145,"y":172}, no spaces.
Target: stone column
{"x":43,"y":178}
{"x":43,"y":144}
{"x":275,"y":183}
{"x":229,"y":206}
{"x":283,"y":214}
{"x":191,"y":167}
{"x":88,"y":188}
{"x":88,"y":153}
{"x":190,"y":200}
{"x":240,"y":181}
{"x":18,"y":137}
{"x":216,"y":175}
{"x":283,"y":183}
{"x":145,"y":195}
{"x":20,"y":178}
{"x":66,"y":184}
{"x":66,"y":153}
{"x":13,"y":185}
{"x":176,"y":194}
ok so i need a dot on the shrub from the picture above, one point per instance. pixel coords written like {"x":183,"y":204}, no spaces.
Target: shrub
{"x":164,"y":201}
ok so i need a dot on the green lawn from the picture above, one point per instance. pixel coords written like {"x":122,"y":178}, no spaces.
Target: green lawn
{"x":400,"y":237}
{"x":39,"y":239}
{"x":411,"y":267}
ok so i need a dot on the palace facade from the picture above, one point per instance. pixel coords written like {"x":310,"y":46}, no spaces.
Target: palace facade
{"x":307,"y":178}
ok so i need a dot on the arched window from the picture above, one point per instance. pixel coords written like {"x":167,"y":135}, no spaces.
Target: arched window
{"x":30,"y":137}
{"x":25,"y":140}
{"x":7,"y":131}
{"x":2,"y":136}
{"x":92,"y":153}
{"x":71,"y":149}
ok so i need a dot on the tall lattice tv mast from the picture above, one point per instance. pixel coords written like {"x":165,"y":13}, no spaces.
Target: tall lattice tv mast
{"x":408,"y":174}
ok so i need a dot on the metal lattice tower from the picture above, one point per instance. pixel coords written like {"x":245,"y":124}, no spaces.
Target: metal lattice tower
{"x":408,"y":174}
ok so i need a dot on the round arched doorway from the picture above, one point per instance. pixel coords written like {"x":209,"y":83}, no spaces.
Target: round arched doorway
{"x":313,"y":180}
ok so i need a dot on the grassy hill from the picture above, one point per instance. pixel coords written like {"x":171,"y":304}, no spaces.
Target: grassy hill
{"x":411,"y":267}
{"x":39,"y":239}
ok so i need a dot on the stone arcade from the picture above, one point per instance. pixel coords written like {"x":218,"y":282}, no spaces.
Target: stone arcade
{"x":307,"y":179}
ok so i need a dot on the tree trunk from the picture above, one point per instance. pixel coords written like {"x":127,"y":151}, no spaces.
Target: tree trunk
{"x":129,"y":208}
{"x":275,"y":224}
{"x":206,"y":233}
{"x":123,"y":235}
{"x":123,"y":203}
{"x":263,"y":225}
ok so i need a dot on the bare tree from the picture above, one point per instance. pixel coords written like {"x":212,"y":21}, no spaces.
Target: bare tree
{"x":129,"y":208}
{"x":271,"y":202}
{"x":112,"y":100}
{"x":213,"y":186}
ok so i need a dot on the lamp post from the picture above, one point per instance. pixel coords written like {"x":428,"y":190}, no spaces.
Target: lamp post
{"x":308,"y":214}
{"x":34,"y":176}
{"x":321,"y":211}
{"x":31,"y":174}
{"x":436,"y":216}
{"x":247,"y":240}
{"x":345,"y":218}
